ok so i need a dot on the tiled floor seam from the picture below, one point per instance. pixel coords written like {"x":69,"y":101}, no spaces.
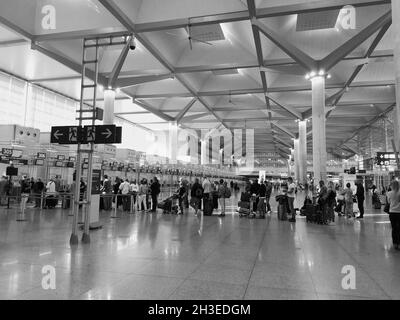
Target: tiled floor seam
{"x":255,"y":261}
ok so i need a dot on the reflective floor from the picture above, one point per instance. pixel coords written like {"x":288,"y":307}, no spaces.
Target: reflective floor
{"x":155,"y":256}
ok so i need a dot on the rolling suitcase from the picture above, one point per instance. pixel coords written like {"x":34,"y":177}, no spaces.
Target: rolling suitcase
{"x":282,"y":212}
{"x":51,"y":202}
{"x":215,"y":199}
{"x":208,"y":207}
{"x":165,"y":205}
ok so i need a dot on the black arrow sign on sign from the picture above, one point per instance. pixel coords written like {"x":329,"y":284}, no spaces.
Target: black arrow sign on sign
{"x":65,"y":134}
{"x":105,"y":134}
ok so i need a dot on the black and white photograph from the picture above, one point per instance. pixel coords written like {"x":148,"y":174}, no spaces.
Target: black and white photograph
{"x":198,"y":157}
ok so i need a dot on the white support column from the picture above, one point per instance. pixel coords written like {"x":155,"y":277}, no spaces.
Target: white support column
{"x":109,"y":100}
{"x":204,"y":147}
{"x":303,"y":151}
{"x":396,"y":52}
{"x":250,"y":148}
{"x":296,"y":160}
{"x":173,"y":142}
{"x":318,"y":128}
{"x":292,"y":160}
{"x":237,"y":144}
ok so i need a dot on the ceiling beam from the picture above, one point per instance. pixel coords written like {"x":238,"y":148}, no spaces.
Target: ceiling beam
{"x":153,"y":110}
{"x":280,"y":141}
{"x":111,"y":32}
{"x":119,"y":63}
{"x":66,"y":78}
{"x":368,"y":124}
{"x":180,"y":115}
{"x":116,"y":11}
{"x":268,"y":12}
{"x":194,"y":117}
{"x":133,"y":123}
{"x":334,"y":100}
{"x":291,"y":110}
{"x":251,"y":6}
{"x":284,"y":130}
{"x":13,"y":43}
{"x":292,"y":51}
{"x":59,"y":57}
{"x":134,"y":81}
{"x":364,"y":84}
{"x":337,"y":55}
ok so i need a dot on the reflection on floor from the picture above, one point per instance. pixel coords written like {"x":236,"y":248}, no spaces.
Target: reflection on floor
{"x":155,"y":256}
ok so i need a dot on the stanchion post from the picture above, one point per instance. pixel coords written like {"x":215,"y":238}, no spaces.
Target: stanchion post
{"x":21,"y":215}
{"x":114,"y":215}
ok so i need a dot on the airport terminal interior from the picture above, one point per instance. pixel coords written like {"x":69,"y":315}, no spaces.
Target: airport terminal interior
{"x":199,"y":150}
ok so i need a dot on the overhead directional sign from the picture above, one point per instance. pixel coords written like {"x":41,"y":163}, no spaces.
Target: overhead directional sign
{"x":105,"y":134}
{"x":65,"y":134}
{"x":385,"y":158}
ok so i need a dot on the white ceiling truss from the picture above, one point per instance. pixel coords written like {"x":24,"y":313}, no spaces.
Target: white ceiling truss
{"x":234,"y":63}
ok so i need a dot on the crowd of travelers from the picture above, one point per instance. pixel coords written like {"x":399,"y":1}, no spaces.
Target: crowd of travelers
{"x":206,"y":196}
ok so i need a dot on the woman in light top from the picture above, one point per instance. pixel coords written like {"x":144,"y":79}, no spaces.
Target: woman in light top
{"x":393,"y":197}
{"x":348,"y":201}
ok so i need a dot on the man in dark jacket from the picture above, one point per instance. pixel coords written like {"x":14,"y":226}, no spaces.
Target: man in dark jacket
{"x":360,"y":198}
{"x":155,"y":191}
{"x":268,"y":193}
{"x":38,"y":188}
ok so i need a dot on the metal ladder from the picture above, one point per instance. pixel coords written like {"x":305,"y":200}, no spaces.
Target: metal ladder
{"x":92,"y":85}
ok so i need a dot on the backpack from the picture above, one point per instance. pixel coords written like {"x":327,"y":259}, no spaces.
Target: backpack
{"x":199,"y":193}
{"x":227,"y":193}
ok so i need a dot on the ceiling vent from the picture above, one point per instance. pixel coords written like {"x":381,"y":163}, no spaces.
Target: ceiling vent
{"x":225,"y":72}
{"x":317,"y":20}
{"x":212,"y":32}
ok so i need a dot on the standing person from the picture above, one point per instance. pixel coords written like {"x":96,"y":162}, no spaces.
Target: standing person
{"x":116,"y":199}
{"x":268,"y":192}
{"x":155,"y":191}
{"x":222,"y":190}
{"x":143,"y":189}
{"x":107,"y":191}
{"x":393,"y":198}
{"x":181,"y":192}
{"x":134,"y":189}
{"x":330,"y":202}
{"x":196,"y":194}
{"x":3,"y":189}
{"x":340,"y":200}
{"x":38,"y":188}
{"x":207,"y":188}
{"x":124,"y":188}
{"x":50,"y":191}
{"x":262,"y":198}
{"x":255,"y":189}
{"x":25,"y":192}
{"x":291,"y":193}
{"x":348,"y":201}
{"x":360,"y":194}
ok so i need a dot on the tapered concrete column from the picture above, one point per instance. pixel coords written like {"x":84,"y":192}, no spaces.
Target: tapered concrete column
{"x":302,"y":152}
{"x":318,"y":128}
{"x":296,"y":159}
{"x":396,"y":52}
{"x":204,"y":148}
{"x":109,"y":100}
{"x":173,"y":142}
{"x":292,"y":160}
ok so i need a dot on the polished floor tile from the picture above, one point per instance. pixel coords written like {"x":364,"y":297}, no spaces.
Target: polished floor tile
{"x":156,"y":256}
